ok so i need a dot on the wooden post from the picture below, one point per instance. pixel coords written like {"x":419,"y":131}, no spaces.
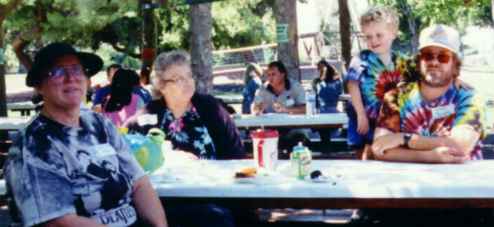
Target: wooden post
{"x":3,"y":63}
{"x":285,"y":12}
{"x":4,"y":10}
{"x":345,"y":32}
{"x":201,"y":24}
{"x":148,"y":52}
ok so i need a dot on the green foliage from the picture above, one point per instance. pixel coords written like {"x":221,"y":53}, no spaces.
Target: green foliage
{"x":458,"y":13}
{"x":91,"y":23}
{"x":236,"y":23}
{"x":72,"y":21}
{"x":248,"y":29}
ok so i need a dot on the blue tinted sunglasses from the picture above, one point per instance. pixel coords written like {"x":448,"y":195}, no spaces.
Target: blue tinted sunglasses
{"x":72,"y":70}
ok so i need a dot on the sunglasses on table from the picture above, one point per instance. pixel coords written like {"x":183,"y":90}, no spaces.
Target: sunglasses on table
{"x":72,"y":70}
{"x":442,"y":57}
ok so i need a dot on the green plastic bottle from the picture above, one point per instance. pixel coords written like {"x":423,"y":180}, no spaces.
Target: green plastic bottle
{"x":301,"y":158}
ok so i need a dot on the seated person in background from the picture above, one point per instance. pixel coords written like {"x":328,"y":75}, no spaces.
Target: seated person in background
{"x":70,"y":166}
{"x":328,"y":88}
{"x":195,"y":123}
{"x":279,"y":94}
{"x":123,"y":101}
{"x":252,"y":81}
{"x":102,"y":92}
{"x":432,"y":120}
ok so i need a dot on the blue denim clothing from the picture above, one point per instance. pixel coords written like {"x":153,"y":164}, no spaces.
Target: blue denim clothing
{"x":327,"y":94}
{"x":354,"y":139}
{"x":102,"y":93}
{"x":248,"y":94}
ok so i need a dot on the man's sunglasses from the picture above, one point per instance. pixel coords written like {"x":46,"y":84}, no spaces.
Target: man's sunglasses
{"x":442,"y":57}
{"x":60,"y":72}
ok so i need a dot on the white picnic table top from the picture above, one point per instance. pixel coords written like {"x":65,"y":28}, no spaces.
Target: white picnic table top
{"x":28,"y":105}
{"x":347,"y":179}
{"x":13,"y":123}
{"x":291,"y":120}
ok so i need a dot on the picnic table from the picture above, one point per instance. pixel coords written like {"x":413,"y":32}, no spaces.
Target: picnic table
{"x":13,"y":123}
{"x":351,"y":184}
{"x":277,"y":120}
{"x":24,"y":108}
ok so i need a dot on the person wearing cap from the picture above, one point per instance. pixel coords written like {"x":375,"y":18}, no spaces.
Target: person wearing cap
{"x":434,"y":119}
{"x":56,"y":171}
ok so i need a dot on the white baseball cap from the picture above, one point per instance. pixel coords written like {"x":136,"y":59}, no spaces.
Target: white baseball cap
{"x":440,"y":35}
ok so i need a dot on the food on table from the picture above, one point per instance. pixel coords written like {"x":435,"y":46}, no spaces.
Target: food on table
{"x":246,"y":172}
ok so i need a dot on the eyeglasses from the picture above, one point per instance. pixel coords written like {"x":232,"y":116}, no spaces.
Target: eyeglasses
{"x":178,"y":80}
{"x":442,"y":57}
{"x":59,"y":72}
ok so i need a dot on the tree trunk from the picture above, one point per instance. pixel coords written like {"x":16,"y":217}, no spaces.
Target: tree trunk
{"x":201,"y":24}
{"x":3,"y":63}
{"x":345,"y":32}
{"x":285,"y":12}
{"x":407,"y":12}
{"x":492,"y":11}
{"x":148,"y":39}
{"x":4,"y":10}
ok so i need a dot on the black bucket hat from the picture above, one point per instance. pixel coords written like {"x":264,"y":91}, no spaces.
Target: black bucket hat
{"x":47,"y":56}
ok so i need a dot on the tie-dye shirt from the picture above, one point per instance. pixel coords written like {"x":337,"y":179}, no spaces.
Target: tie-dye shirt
{"x":375,"y":78}
{"x":54,"y":170}
{"x":404,"y":110}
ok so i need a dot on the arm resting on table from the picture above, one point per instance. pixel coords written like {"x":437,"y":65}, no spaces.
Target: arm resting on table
{"x":148,"y":205}
{"x":462,"y":137}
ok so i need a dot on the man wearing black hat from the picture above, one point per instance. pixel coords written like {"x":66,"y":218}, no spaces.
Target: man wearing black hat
{"x":48,"y":180}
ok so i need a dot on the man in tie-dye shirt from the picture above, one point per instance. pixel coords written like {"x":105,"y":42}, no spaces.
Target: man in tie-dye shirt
{"x":433,"y":120}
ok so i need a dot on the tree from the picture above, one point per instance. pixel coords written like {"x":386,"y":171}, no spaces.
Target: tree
{"x":5,"y":9}
{"x":492,"y":11}
{"x":148,"y":39}
{"x":201,"y":24}
{"x":415,"y":15}
{"x":90,"y":23}
{"x":345,"y":31}
{"x":285,"y":12}
{"x":412,"y":27}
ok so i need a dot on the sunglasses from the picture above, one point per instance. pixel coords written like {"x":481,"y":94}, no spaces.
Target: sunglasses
{"x":59,"y":72}
{"x":441,"y":57}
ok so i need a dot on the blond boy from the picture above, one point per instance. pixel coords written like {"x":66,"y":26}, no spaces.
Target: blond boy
{"x":371,"y":73}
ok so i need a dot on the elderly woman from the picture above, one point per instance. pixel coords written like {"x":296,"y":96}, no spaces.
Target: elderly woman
{"x":195,"y":123}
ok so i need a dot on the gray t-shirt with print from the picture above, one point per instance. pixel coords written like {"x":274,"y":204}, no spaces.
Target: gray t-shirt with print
{"x":294,"y":95}
{"x":54,"y":170}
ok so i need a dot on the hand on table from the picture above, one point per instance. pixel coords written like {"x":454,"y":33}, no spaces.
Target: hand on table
{"x":445,"y":154}
{"x":386,"y":142}
{"x":279,"y":108}
{"x":258,"y":108}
